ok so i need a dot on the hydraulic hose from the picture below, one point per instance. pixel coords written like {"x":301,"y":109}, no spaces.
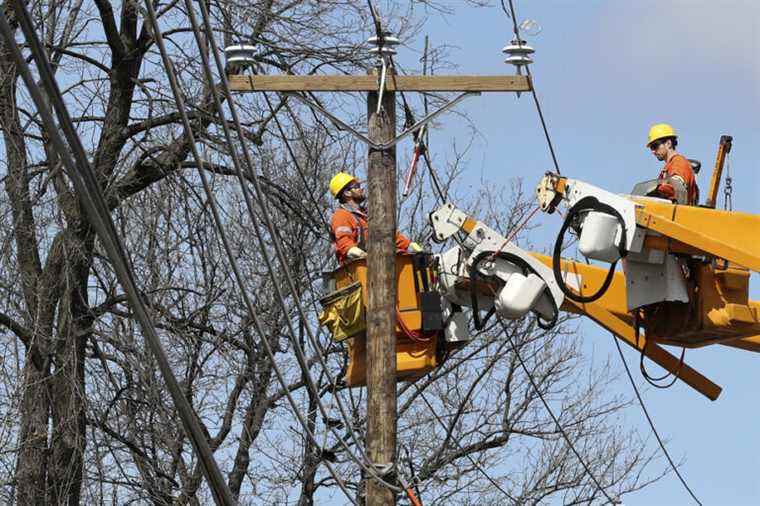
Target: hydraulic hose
{"x":526,"y":269}
{"x":586,"y":204}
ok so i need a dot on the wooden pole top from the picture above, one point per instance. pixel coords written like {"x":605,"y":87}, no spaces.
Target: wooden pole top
{"x":508,"y":83}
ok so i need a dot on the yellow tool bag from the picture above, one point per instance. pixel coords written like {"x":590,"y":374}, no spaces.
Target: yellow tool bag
{"x":343,"y":312}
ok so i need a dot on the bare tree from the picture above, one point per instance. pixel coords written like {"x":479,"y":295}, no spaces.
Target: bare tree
{"x":85,"y":415}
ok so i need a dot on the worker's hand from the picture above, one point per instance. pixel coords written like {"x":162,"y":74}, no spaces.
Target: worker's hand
{"x":356,"y":253}
{"x":415,"y":247}
{"x":666,"y":191}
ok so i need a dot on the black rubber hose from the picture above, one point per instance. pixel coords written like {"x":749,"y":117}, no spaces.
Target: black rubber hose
{"x":479,"y":324}
{"x":526,"y":269}
{"x":586,"y":204}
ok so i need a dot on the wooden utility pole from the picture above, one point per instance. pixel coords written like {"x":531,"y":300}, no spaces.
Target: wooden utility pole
{"x":381,"y":293}
{"x":381,"y":253}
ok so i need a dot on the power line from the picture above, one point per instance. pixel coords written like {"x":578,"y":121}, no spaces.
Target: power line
{"x":461,"y":448}
{"x":300,"y":356}
{"x":554,"y":417}
{"x":254,"y":316}
{"x":532,"y":85}
{"x":91,"y":197}
{"x":651,"y":423}
{"x":295,"y":162}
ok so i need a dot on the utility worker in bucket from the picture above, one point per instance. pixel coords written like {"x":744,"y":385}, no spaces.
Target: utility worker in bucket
{"x":677,"y":181}
{"x":349,"y":221}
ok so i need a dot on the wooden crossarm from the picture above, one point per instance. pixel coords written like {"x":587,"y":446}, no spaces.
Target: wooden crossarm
{"x":509,"y":83}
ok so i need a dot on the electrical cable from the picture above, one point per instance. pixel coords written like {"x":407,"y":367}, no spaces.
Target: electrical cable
{"x":434,"y":177}
{"x":553,"y":416}
{"x":408,"y":113}
{"x":650,"y":379}
{"x":412,"y":473}
{"x":651,"y":422}
{"x":461,"y":448}
{"x":532,"y":86}
{"x":295,"y":162}
{"x":254,"y":316}
{"x":375,"y":20}
{"x":253,"y":177}
{"x":92,"y":199}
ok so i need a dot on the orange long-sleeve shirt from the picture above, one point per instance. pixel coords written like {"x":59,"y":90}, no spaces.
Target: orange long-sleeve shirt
{"x":349,"y":229}
{"x":679,"y":166}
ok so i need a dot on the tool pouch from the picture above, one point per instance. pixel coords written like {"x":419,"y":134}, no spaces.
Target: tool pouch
{"x":343,"y":312}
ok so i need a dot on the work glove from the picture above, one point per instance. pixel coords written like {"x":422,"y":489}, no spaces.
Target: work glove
{"x":416,"y":248}
{"x":354,"y":253}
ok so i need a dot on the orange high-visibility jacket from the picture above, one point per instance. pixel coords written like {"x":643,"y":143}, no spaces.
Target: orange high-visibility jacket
{"x":349,"y":229}
{"x":679,"y":166}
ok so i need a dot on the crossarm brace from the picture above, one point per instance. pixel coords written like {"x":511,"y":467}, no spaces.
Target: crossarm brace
{"x":383,"y":145}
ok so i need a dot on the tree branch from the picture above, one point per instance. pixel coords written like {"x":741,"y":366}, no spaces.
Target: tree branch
{"x":109,"y":27}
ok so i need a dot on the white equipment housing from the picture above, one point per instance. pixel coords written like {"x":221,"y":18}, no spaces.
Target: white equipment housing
{"x":517,"y":292}
{"x":651,"y":276}
{"x":600,"y":237}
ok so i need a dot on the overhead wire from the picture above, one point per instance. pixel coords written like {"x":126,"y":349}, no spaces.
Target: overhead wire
{"x":513,"y":17}
{"x":651,"y":422}
{"x":297,"y":165}
{"x":554,"y":417}
{"x":516,"y":30}
{"x":254,"y":316}
{"x":461,"y":448}
{"x":408,"y":113}
{"x":88,"y":188}
{"x":375,"y":19}
{"x":276,"y":241}
{"x":442,"y":197}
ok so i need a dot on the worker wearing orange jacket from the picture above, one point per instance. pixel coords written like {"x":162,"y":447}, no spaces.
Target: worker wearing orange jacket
{"x":349,"y":222}
{"x":677,"y":180}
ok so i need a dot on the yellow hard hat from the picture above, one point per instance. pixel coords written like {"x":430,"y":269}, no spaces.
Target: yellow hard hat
{"x":339,"y":181}
{"x":660,"y":131}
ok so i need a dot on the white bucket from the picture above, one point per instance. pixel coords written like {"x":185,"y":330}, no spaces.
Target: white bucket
{"x":519,"y":295}
{"x":600,"y":236}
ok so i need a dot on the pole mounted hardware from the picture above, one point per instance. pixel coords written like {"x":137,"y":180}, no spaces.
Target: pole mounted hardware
{"x":363,"y":137}
{"x":380,"y":86}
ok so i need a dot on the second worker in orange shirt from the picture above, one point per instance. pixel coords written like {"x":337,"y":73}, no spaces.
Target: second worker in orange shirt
{"x":348,"y":226}
{"x":677,"y":181}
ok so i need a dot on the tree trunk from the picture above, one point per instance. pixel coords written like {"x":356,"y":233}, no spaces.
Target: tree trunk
{"x":32,"y":461}
{"x":68,"y":440}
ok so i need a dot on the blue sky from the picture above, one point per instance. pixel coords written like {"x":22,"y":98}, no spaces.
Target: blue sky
{"x":605,"y":71}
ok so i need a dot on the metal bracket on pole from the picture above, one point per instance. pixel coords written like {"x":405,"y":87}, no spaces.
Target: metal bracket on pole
{"x":362,"y":137}
{"x":381,"y":89}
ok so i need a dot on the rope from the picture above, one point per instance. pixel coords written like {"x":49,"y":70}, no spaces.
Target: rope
{"x":91,"y":197}
{"x":532,"y":85}
{"x":514,"y":233}
{"x":651,"y":423}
